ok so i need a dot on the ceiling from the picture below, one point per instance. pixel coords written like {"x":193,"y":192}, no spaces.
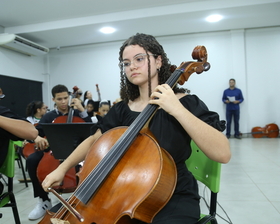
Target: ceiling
{"x":61,"y":23}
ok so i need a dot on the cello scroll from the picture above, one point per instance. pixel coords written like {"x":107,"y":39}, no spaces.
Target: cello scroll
{"x":200,"y":54}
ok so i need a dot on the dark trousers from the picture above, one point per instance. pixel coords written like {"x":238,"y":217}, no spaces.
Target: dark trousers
{"x":32,"y":163}
{"x":235,"y":114}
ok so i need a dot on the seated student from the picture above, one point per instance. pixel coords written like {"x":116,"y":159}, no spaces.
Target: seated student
{"x":61,"y":98}
{"x":13,"y":127}
{"x":35,"y":111}
{"x":103,"y":109}
{"x":144,"y":69}
{"x":90,"y":108}
{"x":87,"y":97}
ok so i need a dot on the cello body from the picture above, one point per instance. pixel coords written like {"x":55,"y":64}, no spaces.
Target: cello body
{"x":69,"y":182}
{"x":138,"y":187}
{"x":270,"y":130}
{"x":28,"y":149}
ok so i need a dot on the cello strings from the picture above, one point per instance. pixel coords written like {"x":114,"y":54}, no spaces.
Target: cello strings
{"x":104,"y":167}
{"x":93,"y":177}
{"x":99,"y":173}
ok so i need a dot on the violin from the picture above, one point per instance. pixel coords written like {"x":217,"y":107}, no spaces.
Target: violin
{"x":48,"y":163}
{"x":270,"y":130}
{"x":120,"y":179}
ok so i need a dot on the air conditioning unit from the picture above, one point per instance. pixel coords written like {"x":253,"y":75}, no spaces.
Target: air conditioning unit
{"x":21,"y":45}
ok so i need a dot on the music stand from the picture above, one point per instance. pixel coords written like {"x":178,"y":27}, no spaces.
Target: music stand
{"x":63,"y":138}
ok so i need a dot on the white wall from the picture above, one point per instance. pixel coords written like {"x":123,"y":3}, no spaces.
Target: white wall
{"x":25,"y":67}
{"x":249,"y":56}
{"x":263,"y":76}
{"x":87,"y":66}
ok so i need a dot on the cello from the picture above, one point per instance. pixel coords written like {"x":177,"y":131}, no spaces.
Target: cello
{"x":29,"y":147}
{"x":270,"y":130}
{"x":48,"y":163}
{"x":111,"y":188}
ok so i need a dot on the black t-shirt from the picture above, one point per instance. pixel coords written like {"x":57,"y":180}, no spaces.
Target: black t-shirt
{"x":5,"y":136}
{"x":169,"y":133}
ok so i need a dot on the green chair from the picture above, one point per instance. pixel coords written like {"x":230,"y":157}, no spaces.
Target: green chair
{"x":207,"y":172}
{"x":18,"y":147}
{"x":7,"y":199}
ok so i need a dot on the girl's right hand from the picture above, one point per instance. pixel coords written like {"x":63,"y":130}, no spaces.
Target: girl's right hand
{"x":54,"y":178}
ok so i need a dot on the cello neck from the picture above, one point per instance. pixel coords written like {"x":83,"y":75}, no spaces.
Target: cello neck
{"x":98,"y":93}
{"x":70,"y":110}
{"x":70,"y":115}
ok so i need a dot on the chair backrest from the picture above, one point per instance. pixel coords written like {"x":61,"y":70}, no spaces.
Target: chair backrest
{"x":8,"y":167}
{"x":204,"y":169}
{"x":17,"y":144}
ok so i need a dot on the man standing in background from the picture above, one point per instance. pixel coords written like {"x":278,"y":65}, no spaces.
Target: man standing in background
{"x":232,"y":97}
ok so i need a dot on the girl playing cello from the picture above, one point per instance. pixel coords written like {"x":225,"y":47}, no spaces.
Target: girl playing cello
{"x":181,"y":117}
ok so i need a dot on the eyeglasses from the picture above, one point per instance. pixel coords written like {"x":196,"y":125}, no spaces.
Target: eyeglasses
{"x":138,"y":61}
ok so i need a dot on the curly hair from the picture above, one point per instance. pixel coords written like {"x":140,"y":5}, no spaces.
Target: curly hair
{"x":149,"y":43}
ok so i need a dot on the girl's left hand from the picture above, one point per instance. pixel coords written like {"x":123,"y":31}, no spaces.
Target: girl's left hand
{"x":165,"y":98}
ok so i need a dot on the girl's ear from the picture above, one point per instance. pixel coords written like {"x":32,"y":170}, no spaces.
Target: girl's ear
{"x":159,"y":61}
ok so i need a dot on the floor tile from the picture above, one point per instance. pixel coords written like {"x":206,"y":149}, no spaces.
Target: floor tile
{"x":249,"y":188}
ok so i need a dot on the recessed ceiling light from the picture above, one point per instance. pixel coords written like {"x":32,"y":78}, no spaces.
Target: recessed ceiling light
{"x":107,"y":30}
{"x":214,"y":18}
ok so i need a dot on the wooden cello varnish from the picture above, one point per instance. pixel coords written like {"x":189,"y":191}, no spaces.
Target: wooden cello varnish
{"x":270,"y":130}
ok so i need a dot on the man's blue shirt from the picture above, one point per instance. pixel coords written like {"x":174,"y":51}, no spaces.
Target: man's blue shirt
{"x":233,"y":93}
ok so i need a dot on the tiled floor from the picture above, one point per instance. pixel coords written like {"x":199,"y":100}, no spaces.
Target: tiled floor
{"x":249,"y":191}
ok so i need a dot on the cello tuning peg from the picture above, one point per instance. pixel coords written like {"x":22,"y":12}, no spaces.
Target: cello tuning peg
{"x":206,"y":66}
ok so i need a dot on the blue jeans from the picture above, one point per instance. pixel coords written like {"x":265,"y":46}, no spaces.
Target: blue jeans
{"x":235,"y":114}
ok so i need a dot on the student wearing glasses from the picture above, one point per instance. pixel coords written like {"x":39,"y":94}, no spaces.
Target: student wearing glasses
{"x":35,"y":111}
{"x":144,"y":68}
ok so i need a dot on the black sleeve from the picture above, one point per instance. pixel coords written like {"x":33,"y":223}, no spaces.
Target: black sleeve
{"x":200,"y":110}
{"x":86,"y":119}
{"x":5,"y":112}
{"x":111,"y":120}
